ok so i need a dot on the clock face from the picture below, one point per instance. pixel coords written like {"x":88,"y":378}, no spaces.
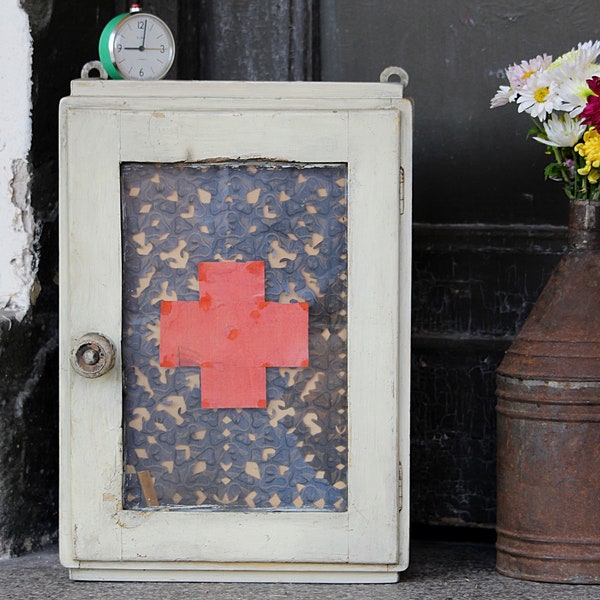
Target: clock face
{"x":141,"y":47}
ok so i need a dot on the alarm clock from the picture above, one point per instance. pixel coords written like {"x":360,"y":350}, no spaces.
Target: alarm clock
{"x":137,"y":45}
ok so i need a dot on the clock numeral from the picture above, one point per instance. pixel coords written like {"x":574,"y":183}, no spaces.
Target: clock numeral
{"x":119,"y":47}
{"x":162,"y":48}
{"x":141,"y":72}
{"x":140,"y":24}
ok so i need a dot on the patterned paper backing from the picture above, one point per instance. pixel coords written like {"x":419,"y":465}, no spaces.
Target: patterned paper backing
{"x":293,"y":454}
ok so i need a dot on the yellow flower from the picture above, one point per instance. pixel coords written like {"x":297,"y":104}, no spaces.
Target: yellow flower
{"x":589,"y":149}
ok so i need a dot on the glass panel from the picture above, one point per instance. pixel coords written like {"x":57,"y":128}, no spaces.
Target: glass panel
{"x":286,"y":225}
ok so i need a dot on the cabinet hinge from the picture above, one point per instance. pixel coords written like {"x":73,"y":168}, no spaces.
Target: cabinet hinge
{"x":400,"y":486}
{"x":401,"y":190}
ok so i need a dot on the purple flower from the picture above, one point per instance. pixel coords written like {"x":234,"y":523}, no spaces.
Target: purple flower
{"x":570,"y":165}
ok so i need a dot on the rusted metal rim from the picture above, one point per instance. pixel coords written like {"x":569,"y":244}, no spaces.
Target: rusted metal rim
{"x":531,"y":399}
{"x":542,"y":558}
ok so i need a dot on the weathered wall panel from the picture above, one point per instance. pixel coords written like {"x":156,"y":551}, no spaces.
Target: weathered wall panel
{"x":473,"y":284}
{"x":472,"y":289}
{"x":28,"y":350}
{"x":259,"y":40}
{"x":479,"y":281}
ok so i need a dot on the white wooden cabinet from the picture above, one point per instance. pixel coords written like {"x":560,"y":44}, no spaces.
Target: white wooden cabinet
{"x":308,"y":182}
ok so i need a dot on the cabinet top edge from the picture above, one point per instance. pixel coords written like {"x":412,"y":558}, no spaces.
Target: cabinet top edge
{"x":236,"y":89}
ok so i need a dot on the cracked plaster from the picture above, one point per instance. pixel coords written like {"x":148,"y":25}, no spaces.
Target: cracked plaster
{"x":18,"y":258}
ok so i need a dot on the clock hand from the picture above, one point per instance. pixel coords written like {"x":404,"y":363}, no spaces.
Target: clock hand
{"x":141,"y":47}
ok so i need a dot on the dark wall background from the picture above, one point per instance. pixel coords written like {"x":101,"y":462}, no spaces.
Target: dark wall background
{"x":488,"y":230}
{"x":472,"y":164}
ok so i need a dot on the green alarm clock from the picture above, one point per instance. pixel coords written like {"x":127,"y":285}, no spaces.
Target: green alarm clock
{"x":137,"y":45}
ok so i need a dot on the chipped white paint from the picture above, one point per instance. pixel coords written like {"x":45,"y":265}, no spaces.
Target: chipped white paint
{"x":369,"y":128}
{"x":17,"y":226}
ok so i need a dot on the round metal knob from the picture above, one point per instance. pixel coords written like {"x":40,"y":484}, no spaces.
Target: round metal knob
{"x":92,"y":355}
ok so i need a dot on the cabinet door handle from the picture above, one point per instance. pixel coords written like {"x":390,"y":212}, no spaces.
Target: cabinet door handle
{"x":92,"y":355}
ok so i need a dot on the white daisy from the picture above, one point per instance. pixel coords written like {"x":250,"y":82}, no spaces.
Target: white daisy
{"x":561,"y":131}
{"x":573,"y":63}
{"x":503,"y":96}
{"x":539,"y":97}
{"x":574,"y":92}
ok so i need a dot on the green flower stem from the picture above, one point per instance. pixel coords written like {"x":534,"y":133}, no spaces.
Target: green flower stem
{"x":575,"y":191}
{"x":584,"y":179}
{"x":565,"y":174}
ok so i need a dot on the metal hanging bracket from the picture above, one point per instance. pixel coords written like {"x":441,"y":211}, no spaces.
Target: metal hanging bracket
{"x":394,"y":75}
{"x":93,"y":65}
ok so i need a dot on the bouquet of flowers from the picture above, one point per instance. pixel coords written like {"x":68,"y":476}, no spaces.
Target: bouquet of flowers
{"x":562,"y":97}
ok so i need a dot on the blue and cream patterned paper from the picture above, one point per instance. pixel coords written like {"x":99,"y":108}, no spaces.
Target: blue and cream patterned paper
{"x":293,"y":454}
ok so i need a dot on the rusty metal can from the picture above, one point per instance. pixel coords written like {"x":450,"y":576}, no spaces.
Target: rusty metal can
{"x":548,"y":408}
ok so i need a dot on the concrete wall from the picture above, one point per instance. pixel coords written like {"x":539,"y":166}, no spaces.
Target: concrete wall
{"x":17,"y":228}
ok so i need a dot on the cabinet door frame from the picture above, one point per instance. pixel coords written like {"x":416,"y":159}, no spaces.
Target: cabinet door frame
{"x":104,"y":124}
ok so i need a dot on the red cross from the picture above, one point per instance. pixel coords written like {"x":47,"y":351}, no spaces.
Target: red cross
{"x":233,"y":334}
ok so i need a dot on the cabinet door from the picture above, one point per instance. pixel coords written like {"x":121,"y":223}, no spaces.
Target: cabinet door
{"x":249,"y":264}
